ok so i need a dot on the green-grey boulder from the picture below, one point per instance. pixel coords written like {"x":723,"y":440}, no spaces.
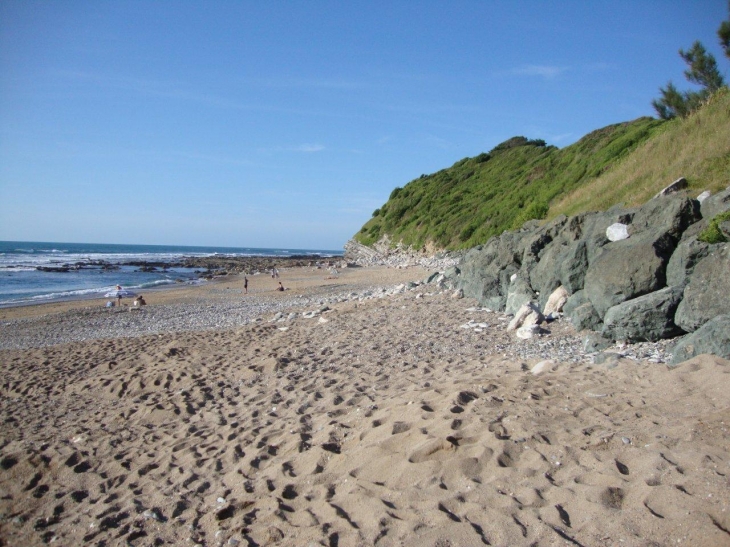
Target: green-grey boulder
{"x":716,"y":204}
{"x":712,"y":337}
{"x":646,"y":318}
{"x":685,"y":257}
{"x":628,"y":269}
{"x":707,"y":294}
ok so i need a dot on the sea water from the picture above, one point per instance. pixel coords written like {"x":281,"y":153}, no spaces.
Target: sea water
{"x":22,"y":283}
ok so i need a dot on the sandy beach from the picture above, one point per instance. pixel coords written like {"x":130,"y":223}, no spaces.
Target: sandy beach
{"x":349,"y":410}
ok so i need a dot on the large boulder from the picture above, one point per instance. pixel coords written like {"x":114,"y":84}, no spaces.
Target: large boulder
{"x":712,"y":337}
{"x":716,"y":204}
{"x":669,"y":215}
{"x":707,"y":294}
{"x":628,"y":269}
{"x":518,"y":293}
{"x":581,"y":313}
{"x":685,"y":257}
{"x":565,"y":260}
{"x":486,"y":270}
{"x":646,"y":318}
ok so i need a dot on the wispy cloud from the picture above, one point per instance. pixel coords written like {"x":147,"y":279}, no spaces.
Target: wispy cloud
{"x":543,"y":71}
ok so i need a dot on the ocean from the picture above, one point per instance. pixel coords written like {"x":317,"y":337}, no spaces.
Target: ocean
{"x":22,"y":283}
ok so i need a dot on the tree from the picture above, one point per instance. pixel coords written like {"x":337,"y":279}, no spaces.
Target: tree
{"x":672,"y":103}
{"x":702,"y":70}
{"x":724,"y":34}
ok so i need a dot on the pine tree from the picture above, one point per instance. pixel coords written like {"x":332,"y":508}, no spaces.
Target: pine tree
{"x":724,"y":34}
{"x":702,"y":68}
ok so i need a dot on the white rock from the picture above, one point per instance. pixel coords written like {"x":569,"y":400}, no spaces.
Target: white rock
{"x":528,"y":331}
{"x":557,"y":300}
{"x":528,"y":314}
{"x":676,"y":186}
{"x":542,"y":366}
{"x":703,"y":196}
{"x":513,"y":277}
{"x":457,"y":294}
{"x":617,"y":232}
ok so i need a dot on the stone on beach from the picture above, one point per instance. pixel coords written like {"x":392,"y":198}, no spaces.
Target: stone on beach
{"x":556,"y":301}
{"x":528,"y":314}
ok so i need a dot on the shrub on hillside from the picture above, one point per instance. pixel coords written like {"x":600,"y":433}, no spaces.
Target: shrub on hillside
{"x":712,"y":233}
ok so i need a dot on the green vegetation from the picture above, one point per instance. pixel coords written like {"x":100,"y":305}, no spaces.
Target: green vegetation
{"x":712,"y":233}
{"x":479,"y":197}
{"x":519,"y":180}
{"x":696,"y":147}
{"x":701,"y":70}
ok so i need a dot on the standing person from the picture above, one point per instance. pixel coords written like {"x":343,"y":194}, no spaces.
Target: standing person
{"x":245,"y":285}
{"x":119,"y":295}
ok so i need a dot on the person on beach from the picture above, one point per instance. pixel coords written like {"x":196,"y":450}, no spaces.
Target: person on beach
{"x":280,"y":287}
{"x":140,"y":301}
{"x":119,"y":296}
{"x":245,"y":285}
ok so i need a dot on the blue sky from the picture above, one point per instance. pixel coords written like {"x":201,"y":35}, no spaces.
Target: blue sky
{"x":285,"y":124}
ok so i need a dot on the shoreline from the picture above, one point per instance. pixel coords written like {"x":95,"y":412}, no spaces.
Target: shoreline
{"x":225,"y":293}
{"x":206,"y":269}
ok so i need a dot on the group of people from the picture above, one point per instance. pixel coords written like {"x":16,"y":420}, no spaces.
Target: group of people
{"x":274,"y":274}
{"x":138,"y":300}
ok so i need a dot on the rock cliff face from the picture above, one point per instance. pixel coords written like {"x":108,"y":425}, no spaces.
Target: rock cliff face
{"x":659,"y":282}
{"x":399,"y":257}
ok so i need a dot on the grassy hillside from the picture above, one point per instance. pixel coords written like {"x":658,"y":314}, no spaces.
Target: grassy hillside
{"x":696,"y":148}
{"x":476,"y":198}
